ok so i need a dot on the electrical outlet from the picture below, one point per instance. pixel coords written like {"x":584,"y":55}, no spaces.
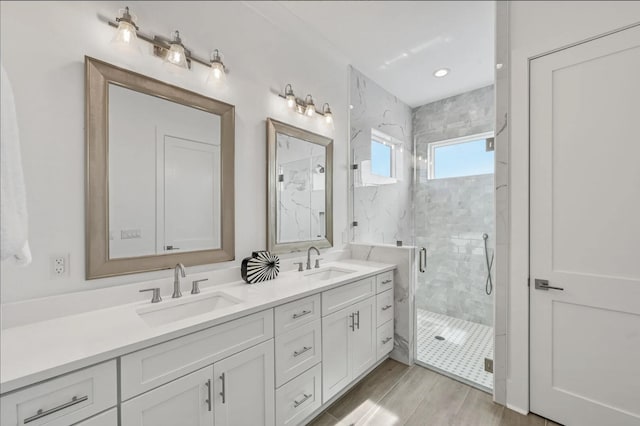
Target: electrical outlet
{"x":59,"y":265}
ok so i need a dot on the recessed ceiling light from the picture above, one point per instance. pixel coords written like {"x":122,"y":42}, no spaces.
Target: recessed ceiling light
{"x":441,"y":72}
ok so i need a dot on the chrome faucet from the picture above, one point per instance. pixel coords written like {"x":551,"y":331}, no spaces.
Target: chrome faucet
{"x":179,"y":270}
{"x":309,"y":257}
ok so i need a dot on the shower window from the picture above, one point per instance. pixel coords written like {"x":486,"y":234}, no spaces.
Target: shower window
{"x":466,"y":156}
{"x":384,"y":165}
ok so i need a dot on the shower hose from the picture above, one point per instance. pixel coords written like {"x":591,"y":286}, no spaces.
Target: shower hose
{"x":488,"y":285}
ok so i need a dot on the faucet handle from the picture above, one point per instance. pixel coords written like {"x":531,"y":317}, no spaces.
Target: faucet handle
{"x":195,"y":285}
{"x":300,"y":269}
{"x":156,"y":294}
{"x":318,"y":262}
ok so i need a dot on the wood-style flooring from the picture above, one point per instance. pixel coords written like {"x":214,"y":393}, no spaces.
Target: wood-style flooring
{"x":394,"y":394}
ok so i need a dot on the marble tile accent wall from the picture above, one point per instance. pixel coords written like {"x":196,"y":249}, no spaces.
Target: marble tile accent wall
{"x":451,"y":217}
{"x":404,"y":283}
{"x":383,"y":211}
{"x":452,"y":214}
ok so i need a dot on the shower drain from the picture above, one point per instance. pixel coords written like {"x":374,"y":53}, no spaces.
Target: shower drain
{"x":439,"y":338}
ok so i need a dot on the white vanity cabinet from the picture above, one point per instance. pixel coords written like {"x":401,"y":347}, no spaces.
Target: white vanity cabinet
{"x":350,"y":330}
{"x":185,"y":401}
{"x":222,"y":375}
{"x":243,"y":390}
{"x":277,"y":366}
{"x":348,"y":341}
{"x":63,"y":400}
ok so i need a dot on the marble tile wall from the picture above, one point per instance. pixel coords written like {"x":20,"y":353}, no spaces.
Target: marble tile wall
{"x":383,"y":211}
{"x":452,"y":214}
{"x":404,"y":283}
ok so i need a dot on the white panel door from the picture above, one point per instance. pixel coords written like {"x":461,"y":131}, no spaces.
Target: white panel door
{"x":336,"y":362}
{"x":585,"y":232}
{"x":188,"y":195}
{"x":362,"y":344}
{"x":185,"y":402}
{"x":244,"y":392}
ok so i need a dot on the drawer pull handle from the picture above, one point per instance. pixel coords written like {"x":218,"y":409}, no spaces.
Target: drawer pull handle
{"x":41,"y":413}
{"x":222,"y":394}
{"x":303,"y":350}
{"x":296,"y":404}
{"x":384,"y":308}
{"x":386,"y":340}
{"x":301,"y":314}
{"x":386,"y":281}
{"x":209,"y":398}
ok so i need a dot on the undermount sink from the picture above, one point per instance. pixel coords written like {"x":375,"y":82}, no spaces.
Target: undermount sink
{"x":190,"y":306}
{"x":328,"y":273}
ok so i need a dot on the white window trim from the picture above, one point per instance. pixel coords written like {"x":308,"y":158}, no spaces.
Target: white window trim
{"x":437,"y":144}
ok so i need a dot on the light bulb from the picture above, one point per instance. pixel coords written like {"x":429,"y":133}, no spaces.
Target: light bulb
{"x":217,"y":75}
{"x":176,"y":55}
{"x":310,"y":111}
{"x":328,"y":117}
{"x":310,"y":108}
{"x":291,"y":101}
{"x":126,"y":36}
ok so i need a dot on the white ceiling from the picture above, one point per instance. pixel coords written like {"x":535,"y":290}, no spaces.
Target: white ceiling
{"x":399,"y":44}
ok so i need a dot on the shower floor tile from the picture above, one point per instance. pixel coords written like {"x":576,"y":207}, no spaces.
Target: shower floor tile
{"x":462,"y":351}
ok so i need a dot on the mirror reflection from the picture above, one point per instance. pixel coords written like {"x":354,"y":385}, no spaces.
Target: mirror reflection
{"x":300,"y":189}
{"x":164,"y":176}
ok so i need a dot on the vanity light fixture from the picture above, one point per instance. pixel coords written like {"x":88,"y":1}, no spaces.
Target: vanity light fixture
{"x":217,"y":74}
{"x":328,"y":115}
{"x":171,"y":50}
{"x":307,"y":106}
{"x":289,"y":96}
{"x":126,"y":36}
{"x":176,"y":54}
{"x":310,"y":107}
{"x":441,"y":72}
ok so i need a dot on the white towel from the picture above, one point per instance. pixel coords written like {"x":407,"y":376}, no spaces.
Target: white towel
{"x":13,"y":203}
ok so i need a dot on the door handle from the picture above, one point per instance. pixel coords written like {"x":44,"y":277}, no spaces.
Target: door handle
{"x":208,"y":400}
{"x":352,"y":326}
{"x":544,"y":285}
{"x":358,"y":316}
{"x":423,"y":260}
{"x":222,"y":394}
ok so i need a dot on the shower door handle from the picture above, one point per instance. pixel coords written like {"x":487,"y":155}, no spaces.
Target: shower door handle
{"x":423,"y":260}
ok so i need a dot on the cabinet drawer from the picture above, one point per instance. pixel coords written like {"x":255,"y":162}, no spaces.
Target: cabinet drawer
{"x":296,"y":313}
{"x":385,"y":339}
{"x":146,"y":369}
{"x":64,"y":400}
{"x":384,"y":281}
{"x":384,"y":304}
{"x":108,"y":418}
{"x":296,"y":400}
{"x":348,"y":294}
{"x":297,"y":350}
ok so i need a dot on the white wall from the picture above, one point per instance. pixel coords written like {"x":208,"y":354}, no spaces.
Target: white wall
{"x":537,"y":27}
{"x":43,"y":46}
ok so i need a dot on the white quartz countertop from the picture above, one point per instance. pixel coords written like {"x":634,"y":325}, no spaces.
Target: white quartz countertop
{"x":39,"y":351}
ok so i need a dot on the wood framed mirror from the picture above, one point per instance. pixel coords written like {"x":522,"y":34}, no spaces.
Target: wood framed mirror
{"x":159,"y":174}
{"x":300,"y":189}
